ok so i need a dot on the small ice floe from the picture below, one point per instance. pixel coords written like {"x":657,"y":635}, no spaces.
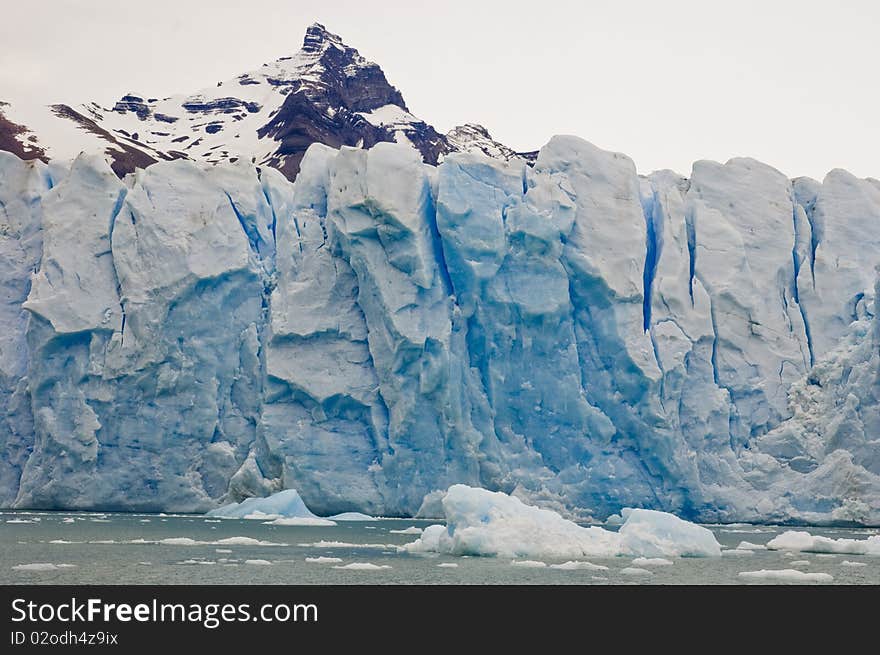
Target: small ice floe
{"x":806,"y":542}
{"x":20,"y":521}
{"x":847,"y":562}
{"x":344,"y":544}
{"x":258,"y":562}
{"x":222,"y":551}
{"x":824,"y":555}
{"x":145,"y":563}
{"x":447,"y":565}
{"x":748,"y":545}
{"x":634,"y":571}
{"x":245,"y":541}
{"x":614,"y":520}
{"x":103,"y":542}
{"x":64,"y":541}
{"x":69,"y":519}
{"x":189,"y":541}
{"x":651,"y":561}
{"x":800,"y":562}
{"x":575,"y":565}
{"x":352,"y":516}
{"x":213,"y":521}
{"x":324,"y":560}
{"x":363,"y":566}
{"x":410,"y":530}
{"x":144,"y":521}
{"x":301,"y":521}
{"x":737,"y":552}
{"x":529,"y":564}
{"x":42,"y":566}
{"x":785,"y":575}
{"x":197,"y":561}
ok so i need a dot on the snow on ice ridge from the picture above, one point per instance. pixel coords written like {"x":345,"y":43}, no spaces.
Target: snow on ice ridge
{"x":481,"y":522}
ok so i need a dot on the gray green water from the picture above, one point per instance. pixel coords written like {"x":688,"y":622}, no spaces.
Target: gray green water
{"x":98,"y":549}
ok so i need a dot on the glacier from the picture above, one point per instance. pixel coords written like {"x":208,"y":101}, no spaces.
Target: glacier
{"x":570,"y":332}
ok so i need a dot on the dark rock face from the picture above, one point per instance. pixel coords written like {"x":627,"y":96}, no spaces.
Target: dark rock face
{"x":220,"y":106}
{"x":326,"y":111}
{"x":133,"y":104}
{"x":14,"y":138}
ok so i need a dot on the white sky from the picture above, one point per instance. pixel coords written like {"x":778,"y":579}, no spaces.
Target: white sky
{"x":794,"y":84}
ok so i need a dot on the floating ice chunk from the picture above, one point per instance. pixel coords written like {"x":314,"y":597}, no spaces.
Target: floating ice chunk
{"x":260,"y":516}
{"x":345,"y":544}
{"x":651,"y":561}
{"x":805,"y":542}
{"x":363,"y":566}
{"x":737,"y":552}
{"x":447,"y":565}
{"x":68,"y":520}
{"x":302,"y":521}
{"x":634,"y":571}
{"x":785,"y":575}
{"x":846,"y":562}
{"x":197,"y":561}
{"x":180,"y":541}
{"x":410,"y":530}
{"x":285,"y":503}
{"x":324,"y":560}
{"x":529,"y":564}
{"x":352,"y":516}
{"x":64,"y":541}
{"x":800,"y":562}
{"x":748,"y":545}
{"x":658,"y":534}
{"x":189,"y":541}
{"x":258,"y":562}
{"x":222,"y":550}
{"x":42,"y":566}
{"x":19,"y":521}
{"x":574,"y":565}
{"x":481,"y":522}
{"x":244,"y":541}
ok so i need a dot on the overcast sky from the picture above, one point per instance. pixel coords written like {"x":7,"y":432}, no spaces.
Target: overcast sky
{"x":794,"y":84}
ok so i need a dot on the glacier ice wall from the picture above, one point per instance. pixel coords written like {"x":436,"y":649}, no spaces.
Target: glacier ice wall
{"x":572,"y":333}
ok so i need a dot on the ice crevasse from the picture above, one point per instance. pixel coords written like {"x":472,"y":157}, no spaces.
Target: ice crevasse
{"x":572,"y":333}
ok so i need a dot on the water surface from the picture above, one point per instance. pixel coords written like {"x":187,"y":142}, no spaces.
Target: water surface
{"x":105,"y":549}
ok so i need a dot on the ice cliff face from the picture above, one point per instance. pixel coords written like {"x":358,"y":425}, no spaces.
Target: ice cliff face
{"x":379,"y":329}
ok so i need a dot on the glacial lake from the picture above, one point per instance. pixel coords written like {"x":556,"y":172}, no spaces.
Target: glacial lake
{"x":89,"y":548}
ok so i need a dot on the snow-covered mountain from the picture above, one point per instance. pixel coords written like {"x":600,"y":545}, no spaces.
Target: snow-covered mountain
{"x":326,"y":93}
{"x":379,"y":329}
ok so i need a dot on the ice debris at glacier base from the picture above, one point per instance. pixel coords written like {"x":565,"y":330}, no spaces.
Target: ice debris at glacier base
{"x":573,"y":333}
{"x":282,"y":508}
{"x":481,"y":522}
{"x":797,"y":540}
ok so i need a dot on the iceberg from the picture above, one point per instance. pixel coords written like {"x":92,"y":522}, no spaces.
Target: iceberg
{"x":481,"y":522}
{"x":287,"y":504}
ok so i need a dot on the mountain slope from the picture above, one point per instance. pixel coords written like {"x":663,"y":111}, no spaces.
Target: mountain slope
{"x":326,"y":93}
